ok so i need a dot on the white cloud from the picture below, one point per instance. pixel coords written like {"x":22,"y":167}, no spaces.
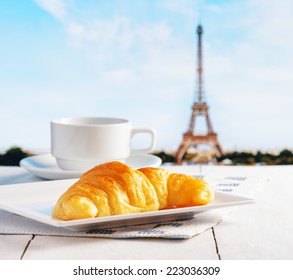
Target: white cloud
{"x":185,"y":7}
{"x":56,"y":8}
{"x":129,"y":52}
{"x":274,"y":22}
{"x":217,"y":9}
{"x":119,"y":75}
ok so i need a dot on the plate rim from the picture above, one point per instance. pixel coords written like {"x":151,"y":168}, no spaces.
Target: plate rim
{"x":40,"y":217}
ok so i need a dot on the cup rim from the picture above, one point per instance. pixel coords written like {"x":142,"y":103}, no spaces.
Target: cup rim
{"x":81,"y":121}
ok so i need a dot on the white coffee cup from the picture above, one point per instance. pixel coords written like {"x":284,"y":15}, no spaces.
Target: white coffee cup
{"x":83,"y":142}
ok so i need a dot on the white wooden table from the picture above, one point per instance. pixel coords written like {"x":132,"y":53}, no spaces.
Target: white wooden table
{"x":259,"y":231}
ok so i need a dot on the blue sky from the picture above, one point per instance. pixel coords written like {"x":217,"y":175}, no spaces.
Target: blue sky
{"x":136,"y":60}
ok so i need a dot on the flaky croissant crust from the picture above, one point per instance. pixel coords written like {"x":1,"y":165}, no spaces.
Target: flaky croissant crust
{"x":114,"y":188}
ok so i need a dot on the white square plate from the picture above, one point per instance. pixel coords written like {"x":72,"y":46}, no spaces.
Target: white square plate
{"x":36,"y":201}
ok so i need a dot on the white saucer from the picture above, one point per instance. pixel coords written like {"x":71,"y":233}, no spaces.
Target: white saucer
{"x":45,"y":166}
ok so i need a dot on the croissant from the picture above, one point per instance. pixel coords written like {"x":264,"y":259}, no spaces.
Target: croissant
{"x":114,"y":188}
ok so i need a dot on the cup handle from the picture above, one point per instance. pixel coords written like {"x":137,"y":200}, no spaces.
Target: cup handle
{"x":153,"y":140}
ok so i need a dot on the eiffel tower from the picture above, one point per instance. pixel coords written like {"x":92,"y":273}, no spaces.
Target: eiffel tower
{"x":199,"y":108}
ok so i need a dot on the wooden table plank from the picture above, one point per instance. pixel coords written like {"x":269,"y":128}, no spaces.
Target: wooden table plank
{"x":45,"y":247}
{"x":263,"y":230}
{"x":13,"y":246}
{"x":14,"y":175}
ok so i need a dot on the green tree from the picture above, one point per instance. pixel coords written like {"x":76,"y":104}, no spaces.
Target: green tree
{"x":13,"y":156}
